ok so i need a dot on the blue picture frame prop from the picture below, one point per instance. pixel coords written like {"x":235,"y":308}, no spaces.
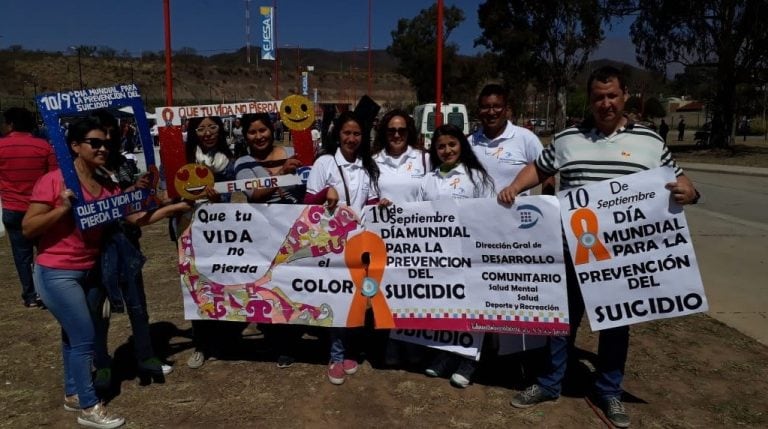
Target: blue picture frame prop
{"x":80,"y":103}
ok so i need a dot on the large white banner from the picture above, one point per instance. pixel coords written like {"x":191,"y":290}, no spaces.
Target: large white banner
{"x":456,"y":265}
{"x":632,"y":250}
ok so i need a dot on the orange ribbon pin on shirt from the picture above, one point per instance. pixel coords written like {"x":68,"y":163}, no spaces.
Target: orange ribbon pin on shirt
{"x":366,"y":257}
{"x":585,"y":228}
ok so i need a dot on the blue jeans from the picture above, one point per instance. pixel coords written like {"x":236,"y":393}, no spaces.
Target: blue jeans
{"x":611,"y":351}
{"x":339,"y":339}
{"x":137,"y":315}
{"x":65,"y":293}
{"x":22,"y":253}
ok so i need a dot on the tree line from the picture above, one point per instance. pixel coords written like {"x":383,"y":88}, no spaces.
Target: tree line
{"x":721,"y":44}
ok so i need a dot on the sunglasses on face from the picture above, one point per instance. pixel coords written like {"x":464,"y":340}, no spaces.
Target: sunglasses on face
{"x":97,"y":144}
{"x":395,"y":131}
{"x":210,"y":128}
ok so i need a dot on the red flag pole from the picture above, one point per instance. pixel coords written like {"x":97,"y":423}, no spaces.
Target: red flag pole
{"x":168,"y":71}
{"x":370,"y":53}
{"x":439,"y":67}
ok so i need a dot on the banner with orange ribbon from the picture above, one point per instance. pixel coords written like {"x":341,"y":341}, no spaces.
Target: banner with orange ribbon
{"x":457,"y":265}
{"x":631,"y":249}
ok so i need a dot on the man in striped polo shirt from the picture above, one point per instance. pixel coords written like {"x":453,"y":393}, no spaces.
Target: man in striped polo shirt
{"x":608,"y":147}
{"x":23,"y":159}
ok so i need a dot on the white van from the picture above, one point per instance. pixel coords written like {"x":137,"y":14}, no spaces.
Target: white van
{"x":424,"y":115}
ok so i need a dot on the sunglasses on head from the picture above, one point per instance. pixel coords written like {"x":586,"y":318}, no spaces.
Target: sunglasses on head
{"x":96,"y":143}
{"x":394,"y":131}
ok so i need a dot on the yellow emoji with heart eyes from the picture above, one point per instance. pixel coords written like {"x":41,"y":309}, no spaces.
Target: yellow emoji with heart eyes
{"x":297,"y":112}
{"x":191,"y":180}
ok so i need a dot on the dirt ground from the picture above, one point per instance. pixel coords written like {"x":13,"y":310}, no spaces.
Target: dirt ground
{"x":681,"y":373}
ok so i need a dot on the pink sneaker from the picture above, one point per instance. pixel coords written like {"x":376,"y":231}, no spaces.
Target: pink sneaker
{"x":350,"y":366}
{"x":336,"y":373}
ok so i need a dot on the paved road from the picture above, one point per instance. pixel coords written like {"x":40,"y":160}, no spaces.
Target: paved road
{"x":730,"y":234}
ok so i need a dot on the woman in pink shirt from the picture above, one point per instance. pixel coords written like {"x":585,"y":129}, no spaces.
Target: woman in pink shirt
{"x":67,"y":255}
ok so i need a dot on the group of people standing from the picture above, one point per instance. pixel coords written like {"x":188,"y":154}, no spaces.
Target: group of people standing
{"x":500,"y":160}
{"x":353,"y":171}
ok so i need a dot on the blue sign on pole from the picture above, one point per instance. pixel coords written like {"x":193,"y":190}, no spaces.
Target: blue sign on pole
{"x":305,"y":83}
{"x":56,"y":108}
{"x":267,"y":14}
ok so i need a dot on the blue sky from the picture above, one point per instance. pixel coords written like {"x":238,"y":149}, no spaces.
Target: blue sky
{"x":213,"y":26}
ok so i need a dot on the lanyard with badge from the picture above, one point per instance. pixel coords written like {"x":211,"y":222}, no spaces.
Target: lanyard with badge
{"x":344,"y":181}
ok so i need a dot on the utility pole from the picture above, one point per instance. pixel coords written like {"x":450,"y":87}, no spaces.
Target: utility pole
{"x":79,"y":63}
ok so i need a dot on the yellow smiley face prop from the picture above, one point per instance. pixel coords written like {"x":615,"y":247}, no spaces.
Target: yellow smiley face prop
{"x":191,"y":180}
{"x":297,"y":112}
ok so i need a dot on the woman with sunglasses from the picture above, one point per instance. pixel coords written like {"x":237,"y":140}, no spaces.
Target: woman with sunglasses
{"x":67,"y":255}
{"x":346,"y":173}
{"x":403,"y":164}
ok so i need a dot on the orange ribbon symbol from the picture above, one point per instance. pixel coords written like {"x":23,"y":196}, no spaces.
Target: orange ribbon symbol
{"x":455,"y":183}
{"x":587,"y":237}
{"x":366,"y":257}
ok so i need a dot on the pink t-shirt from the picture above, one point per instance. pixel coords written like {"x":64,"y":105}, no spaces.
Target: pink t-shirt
{"x":64,"y":246}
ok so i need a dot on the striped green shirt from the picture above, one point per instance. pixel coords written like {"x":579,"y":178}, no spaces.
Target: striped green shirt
{"x":584,"y":156}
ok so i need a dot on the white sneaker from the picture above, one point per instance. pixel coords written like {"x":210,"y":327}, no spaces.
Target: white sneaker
{"x":459,"y":380}
{"x":155,"y":366}
{"x":71,"y":403}
{"x":98,"y":418}
{"x":196,"y":360}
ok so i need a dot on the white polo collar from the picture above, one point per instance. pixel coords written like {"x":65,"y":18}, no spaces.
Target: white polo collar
{"x":507,"y":133}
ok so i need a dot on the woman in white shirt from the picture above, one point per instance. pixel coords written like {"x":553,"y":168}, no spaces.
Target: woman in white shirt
{"x":458,"y":174}
{"x":345,"y":174}
{"x":401,"y":161}
{"x":403,"y":165}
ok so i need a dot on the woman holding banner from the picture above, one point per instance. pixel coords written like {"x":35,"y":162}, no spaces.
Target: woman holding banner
{"x":347,"y":170}
{"x":402,"y":164}
{"x":458,"y":174}
{"x":264,"y":159}
{"x":207,"y":145}
{"x":66,"y":257}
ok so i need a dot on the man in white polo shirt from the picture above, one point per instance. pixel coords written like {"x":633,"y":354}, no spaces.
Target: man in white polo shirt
{"x":502,"y":147}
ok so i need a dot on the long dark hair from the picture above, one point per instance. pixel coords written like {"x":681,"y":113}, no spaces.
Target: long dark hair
{"x":193,"y":141}
{"x":466,"y":157}
{"x":381,"y":142}
{"x":249,"y":119}
{"x":363,"y":151}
